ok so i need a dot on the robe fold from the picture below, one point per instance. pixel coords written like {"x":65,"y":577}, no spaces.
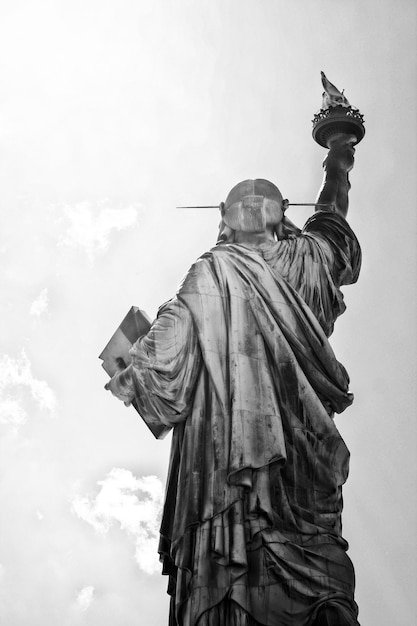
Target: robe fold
{"x":240,"y":365}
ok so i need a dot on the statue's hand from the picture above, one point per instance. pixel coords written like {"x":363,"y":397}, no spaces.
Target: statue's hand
{"x":119,"y":387}
{"x":341,"y":152}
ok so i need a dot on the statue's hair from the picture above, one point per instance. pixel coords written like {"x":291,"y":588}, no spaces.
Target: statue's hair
{"x":252,"y":205}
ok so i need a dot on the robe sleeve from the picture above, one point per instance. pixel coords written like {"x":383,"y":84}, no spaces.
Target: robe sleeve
{"x":318,"y":262}
{"x":339,"y":244}
{"x":165,"y":365}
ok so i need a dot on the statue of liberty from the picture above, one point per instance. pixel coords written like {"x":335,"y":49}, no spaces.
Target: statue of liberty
{"x":239,"y":365}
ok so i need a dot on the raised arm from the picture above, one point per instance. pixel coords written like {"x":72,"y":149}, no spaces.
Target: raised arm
{"x":337,"y":165}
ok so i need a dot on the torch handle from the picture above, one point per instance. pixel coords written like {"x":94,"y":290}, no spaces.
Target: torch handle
{"x":337,"y":165}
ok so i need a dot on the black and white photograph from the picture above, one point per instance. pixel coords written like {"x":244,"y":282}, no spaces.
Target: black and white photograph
{"x":208,"y":239}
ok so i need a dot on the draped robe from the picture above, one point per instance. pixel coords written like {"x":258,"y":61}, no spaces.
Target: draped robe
{"x":239,"y":364}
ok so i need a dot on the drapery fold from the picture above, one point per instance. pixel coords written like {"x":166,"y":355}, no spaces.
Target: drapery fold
{"x":240,"y":365}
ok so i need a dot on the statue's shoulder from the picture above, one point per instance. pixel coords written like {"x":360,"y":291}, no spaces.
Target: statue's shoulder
{"x":323,"y":220}
{"x":210,"y":268}
{"x":198,"y":275}
{"x":225,"y":258}
{"x":212,"y":256}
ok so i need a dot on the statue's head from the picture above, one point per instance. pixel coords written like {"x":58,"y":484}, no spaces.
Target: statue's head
{"x":253,"y":206}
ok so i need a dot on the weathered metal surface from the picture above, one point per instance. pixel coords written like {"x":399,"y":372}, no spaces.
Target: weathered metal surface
{"x":336,"y":116}
{"x":239,"y":365}
{"x":116,"y":356}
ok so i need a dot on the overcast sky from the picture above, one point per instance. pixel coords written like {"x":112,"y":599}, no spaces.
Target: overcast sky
{"x":112,"y":112}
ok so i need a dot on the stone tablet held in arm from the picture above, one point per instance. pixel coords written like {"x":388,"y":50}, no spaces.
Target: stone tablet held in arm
{"x":115,"y":355}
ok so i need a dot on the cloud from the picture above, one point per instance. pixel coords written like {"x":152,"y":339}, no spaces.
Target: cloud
{"x":90,"y":226}
{"x":15,"y":378}
{"x":84,"y":599}
{"x":11,"y":412}
{"x":40,"y":305}
{"x":135,"y":504}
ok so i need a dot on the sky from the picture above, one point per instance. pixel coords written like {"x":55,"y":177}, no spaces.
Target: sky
{"x":112,"y":113}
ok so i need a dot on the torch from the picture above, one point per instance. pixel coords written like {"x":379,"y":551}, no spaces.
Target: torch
{"x":336,"y":116}
{"x":337,"y":126}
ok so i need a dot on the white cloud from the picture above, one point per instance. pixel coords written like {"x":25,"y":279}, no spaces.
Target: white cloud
{"x":135,"y":503}
{"x":11,"y":412}
{"x":16,"y":377}
{"x":40,"y":305}
{"x":90,"y":226}
{"x":84,"y":598}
